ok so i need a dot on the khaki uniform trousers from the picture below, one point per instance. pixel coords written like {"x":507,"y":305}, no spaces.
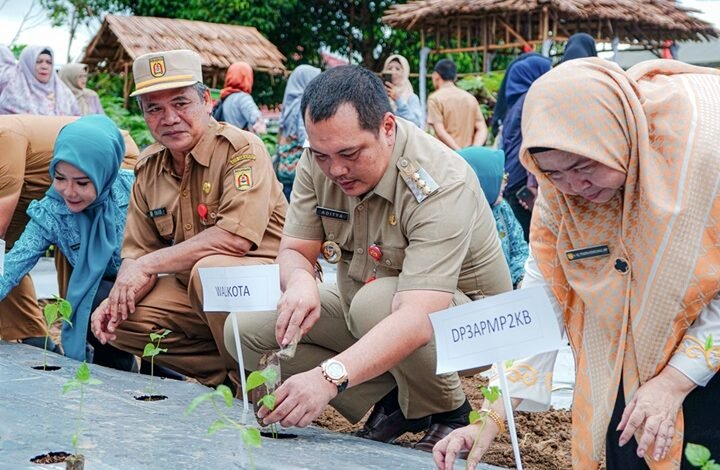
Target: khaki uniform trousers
{"x":420,"y":391}
{"x":196,"y":347}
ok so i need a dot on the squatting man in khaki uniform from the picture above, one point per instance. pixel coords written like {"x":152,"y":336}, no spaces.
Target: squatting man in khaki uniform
{"x":406,"y":222}
{"x":205,"y":195}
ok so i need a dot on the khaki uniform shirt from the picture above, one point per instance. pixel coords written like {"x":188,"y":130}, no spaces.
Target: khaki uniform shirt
{"x":457,"y":110}
{"x":229,"y":172}
{"x":446,"y":242}
{"x":26,"y":146}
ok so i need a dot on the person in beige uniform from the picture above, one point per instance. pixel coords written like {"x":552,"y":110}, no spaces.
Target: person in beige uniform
{"x":204,"y":196}
{"x":27,"y":148}
{"x":453,"y":113}
{"x":405,"y":220}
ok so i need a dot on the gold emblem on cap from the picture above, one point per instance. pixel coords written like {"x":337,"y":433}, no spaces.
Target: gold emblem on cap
{"x":157,"y":66}
{"x":331,"y":252}
{"x":207,"y":187}
{"x":392,"y":220}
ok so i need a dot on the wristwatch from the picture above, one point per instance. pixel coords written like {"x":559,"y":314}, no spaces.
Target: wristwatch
{"x":334,"y":372}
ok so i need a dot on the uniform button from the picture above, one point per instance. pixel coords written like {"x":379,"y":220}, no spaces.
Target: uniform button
{"x":622,"y":266}
{"x":213,"y":215}
{"x":331,"y":236}
{"x":185,"y":193}
{"x":359,"y":251}
{"x":403,"y":163}
{"x":360,"y":208}
{"x":388,"y":262}
{"x":188,"y":226}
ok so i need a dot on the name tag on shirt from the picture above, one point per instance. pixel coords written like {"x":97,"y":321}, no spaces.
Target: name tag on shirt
{"x":589,"y":252}
{"x":331,"y":213}
{"x":160,"y":211}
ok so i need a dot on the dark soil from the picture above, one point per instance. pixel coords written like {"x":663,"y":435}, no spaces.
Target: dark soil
{"x":48,"y":368}
{"x":151,"y":397}
{"x":50,"y":457}
{"x":278,"y":435}
{"x":544,"y":437}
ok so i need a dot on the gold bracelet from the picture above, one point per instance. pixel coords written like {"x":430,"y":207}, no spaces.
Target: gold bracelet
{"x":492,"y":414}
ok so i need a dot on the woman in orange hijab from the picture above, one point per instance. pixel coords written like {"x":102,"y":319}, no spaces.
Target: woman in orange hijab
{"x":236,"y":105}
{"x":626,"y":240}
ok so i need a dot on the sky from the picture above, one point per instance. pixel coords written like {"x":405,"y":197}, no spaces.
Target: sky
{"x":12,"y":12}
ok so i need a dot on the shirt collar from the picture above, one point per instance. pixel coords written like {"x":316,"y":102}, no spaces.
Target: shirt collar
{"x":202,"y":151}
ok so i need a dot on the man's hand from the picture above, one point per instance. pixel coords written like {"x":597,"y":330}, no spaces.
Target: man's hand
{"x":300,"y":399}
{"x":99,"y":323}
{"x":474,"y":438}
{"x":298,"y":308}
{"x":654,"y":409}
{"x":131,"y":279}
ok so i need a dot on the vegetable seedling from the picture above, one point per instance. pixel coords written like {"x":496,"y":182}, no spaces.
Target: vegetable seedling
{"x":82,"y":379}
{"x":60,"y":308}
{"x":491,"y":394}
{"x":699,"y":456}
{"x":267,"y":377}
{"x":151,"y":350}
{"x":250,"y":435}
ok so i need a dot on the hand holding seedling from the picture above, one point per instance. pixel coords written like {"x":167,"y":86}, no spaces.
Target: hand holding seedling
{"x":60,"y":308}
{"x":654,"y":408}
{"x":298,"y":308}
{"x":82,"y":379}
{"x":477,"y":436}
{"x":299,"y":400}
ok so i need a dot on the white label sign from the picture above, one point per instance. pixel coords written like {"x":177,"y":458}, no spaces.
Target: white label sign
{"x":2,"y":257}
{"x":241,"y":288}
{"x":506,"y":326}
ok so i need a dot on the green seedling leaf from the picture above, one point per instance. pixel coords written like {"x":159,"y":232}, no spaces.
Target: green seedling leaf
{"x":197,"y":401}
{"x":508,"y":364}
{"x":269,"y":401}
{"x":226,"y":394}
{"x":158,"y":336}
{"x":491,"y":394}
{"x":83,"y":373}
{"x":70,"y":385}
{"x":50,"y":311}
{"x":75,"y":440}
{"x":270,"y":375}
{"x":92,"y":381}
{"x":475,"y":417}
{"x":217,"y":425}
{"x":254,"y":380}
{"x":697,"y":455}
{"x":150,"y":350}
{"x":251,"y":436}
{"x":65,"y":309}
{"x":711,"y":465}
{"x":709,"y":343}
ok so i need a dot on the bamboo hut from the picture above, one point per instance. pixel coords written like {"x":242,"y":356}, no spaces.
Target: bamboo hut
{"x":123,"y":38}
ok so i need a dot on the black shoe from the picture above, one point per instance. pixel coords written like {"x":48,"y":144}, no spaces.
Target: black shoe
{"x":39,"y":342}
{"x":443,"y":424}
{"x":387,"y":421}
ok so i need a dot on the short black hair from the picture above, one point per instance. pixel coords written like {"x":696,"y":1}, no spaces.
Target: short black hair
{"x":446,"y":69}
{"x":347,"y":84}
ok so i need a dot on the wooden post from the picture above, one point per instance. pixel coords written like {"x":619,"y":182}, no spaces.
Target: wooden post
{"x":126,"y":86}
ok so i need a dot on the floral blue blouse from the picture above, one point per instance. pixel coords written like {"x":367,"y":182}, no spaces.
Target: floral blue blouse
{"x":52,"y":223}
{"x":512,"y":239}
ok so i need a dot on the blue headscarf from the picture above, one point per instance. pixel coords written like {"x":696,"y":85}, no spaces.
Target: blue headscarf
{"x":501,"y":106}
{"x":290,"y":119}
{"x":578,"y":46}
{"x":92,"y":144}
{"x":522,"y":75}
{"x":489,"y":166}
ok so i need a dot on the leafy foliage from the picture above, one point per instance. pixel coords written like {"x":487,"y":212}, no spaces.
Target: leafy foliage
{"x":81,"y":380}
{"x":152,"y":349}
{"x":58,"y":309}
{"x":699,"y":456}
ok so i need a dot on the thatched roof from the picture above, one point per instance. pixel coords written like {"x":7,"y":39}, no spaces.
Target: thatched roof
{"x":123,"y":38}
{"x":629,"y":20}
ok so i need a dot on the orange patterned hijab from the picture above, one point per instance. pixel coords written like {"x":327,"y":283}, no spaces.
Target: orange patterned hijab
{"x":657,"y":123}
{"x":239,"y":77}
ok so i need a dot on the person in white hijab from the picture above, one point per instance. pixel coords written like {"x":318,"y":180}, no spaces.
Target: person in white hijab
{"x":405,"y":103}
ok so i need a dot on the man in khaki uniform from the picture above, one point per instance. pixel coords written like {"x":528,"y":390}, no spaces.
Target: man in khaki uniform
{"x":453,"y":113}
{"x":204,"y":196}
{"x":406,"y":222}
{"x":27,"y":147}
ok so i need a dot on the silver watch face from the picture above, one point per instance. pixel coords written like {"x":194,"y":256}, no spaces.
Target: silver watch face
{"x":335,"y":370}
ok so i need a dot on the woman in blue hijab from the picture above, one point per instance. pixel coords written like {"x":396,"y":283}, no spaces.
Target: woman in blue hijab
{"x":488,"y":165}
{"x":519,"y":80}
{"x":83,"y":214}
{"x":579,"y":45}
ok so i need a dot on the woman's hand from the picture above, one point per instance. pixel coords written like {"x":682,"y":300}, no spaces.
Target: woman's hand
{"x":654,"y":408}
{"x":446,"y":451}
{"x":391,"y":91}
